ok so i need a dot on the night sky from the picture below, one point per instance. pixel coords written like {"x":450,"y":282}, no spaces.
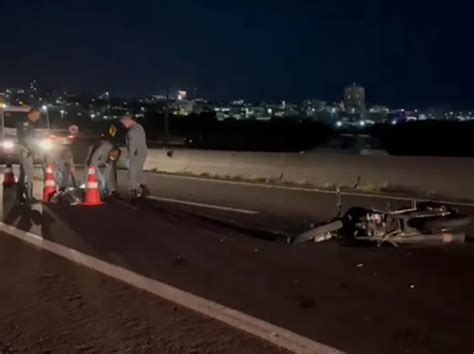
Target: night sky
{"x":403,"y":52}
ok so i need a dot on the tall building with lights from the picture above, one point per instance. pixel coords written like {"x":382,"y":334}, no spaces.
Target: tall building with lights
{"x":182,"y":95}
{"x":34,"y":86}
{"x":354,"y":98}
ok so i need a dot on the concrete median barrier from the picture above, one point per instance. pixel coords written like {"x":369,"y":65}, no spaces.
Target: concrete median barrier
{"x":425,"y":176}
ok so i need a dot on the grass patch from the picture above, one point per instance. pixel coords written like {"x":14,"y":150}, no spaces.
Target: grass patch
{"x":369,"y":188}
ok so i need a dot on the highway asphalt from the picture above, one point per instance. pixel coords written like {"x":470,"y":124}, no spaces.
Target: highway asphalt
{"x":226,"y":242}
{"x":286,"y":208}
{"x":51,"y":305}
{"x":291,"y":209}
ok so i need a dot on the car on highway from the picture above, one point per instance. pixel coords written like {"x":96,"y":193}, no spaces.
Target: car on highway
{"x":48,"y":138}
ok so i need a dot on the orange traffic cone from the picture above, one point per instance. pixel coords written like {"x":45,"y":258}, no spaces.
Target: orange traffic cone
{"x":49,"y":184}
{"x":9,"y":176}
{"x":92,"y":189}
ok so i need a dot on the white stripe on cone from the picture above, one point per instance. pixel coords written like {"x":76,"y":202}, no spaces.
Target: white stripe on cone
{"x":92,"y":185}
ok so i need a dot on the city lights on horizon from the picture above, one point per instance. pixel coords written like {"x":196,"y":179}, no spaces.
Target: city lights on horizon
{"x":351,"y":110}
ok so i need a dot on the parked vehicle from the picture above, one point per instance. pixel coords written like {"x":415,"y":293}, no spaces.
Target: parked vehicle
{"x":48,"y":138}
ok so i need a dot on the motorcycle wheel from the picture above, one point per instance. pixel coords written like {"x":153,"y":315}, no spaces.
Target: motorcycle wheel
{"x":445,"y":223}
{"x":316,"y":232}
{"x":425,"y":206}
{"x":350,"y":220}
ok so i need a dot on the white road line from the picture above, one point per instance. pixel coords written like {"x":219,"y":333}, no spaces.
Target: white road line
{"x":259,"y":328}
{"x":203,"y":205}
{"x":313,"y":190}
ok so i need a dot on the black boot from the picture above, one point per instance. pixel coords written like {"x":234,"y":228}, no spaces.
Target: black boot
{"x":114,"y":194}
{"x":145,"y":191}
{"x":134,"y":195}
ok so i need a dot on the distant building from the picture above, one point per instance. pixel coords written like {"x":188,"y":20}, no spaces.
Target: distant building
{"x":182,"y":95}
{"x":379,"y":109}
{"x":155,"y":99}
{"x":354,"y":99}
{"x":201,"y":106}
{"x":222,"y":113}
{"x":105,"y":96}
{"x":312,"y":108}
{"x":230,"y":112}
{"x":183,"y":107}
{"x":34,"y":85}
{"x":378,"y":114}
{"x":239,"y":102}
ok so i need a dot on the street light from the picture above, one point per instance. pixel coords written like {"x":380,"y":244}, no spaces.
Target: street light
{"x":2,"y":117}
{"x":45,"y":109}
{"x":62,"y":113}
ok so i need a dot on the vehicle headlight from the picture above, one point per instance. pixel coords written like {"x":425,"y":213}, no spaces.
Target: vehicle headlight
{"x":46,"y":144}
{"x":8,"y":145}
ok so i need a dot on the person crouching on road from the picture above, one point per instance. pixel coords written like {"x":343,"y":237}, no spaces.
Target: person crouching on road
{"x":104,"y":157}
{"x":27,"y":142}
{"x":137,"y":152}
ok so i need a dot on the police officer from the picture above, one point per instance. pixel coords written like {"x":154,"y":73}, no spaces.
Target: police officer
{"x":63,"y":157}
{"x":27,"y":143}
{"x":104,"y":157}
{"x":137,"y":153}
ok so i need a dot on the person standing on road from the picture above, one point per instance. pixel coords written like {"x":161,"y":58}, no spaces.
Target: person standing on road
{"x":27,"y":143}
{"x":137,"y":153}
